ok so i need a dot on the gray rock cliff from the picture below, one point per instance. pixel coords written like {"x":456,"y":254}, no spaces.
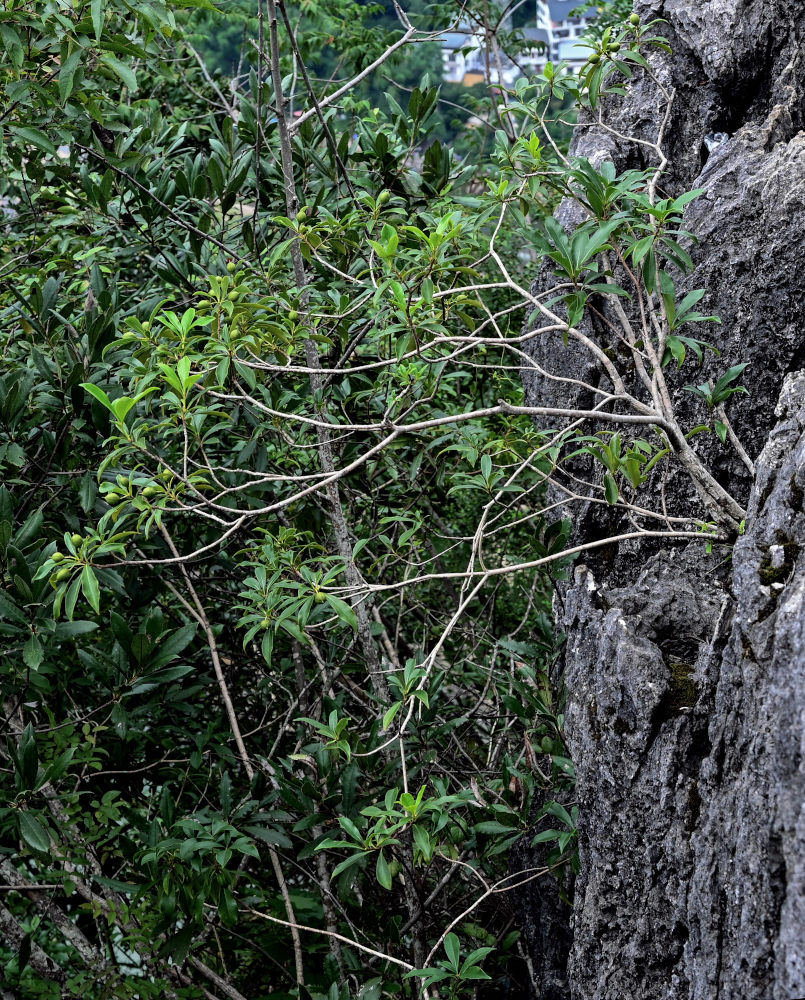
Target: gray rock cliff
{"x":685,"y":671}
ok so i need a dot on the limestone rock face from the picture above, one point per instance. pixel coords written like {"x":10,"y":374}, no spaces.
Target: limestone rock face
{"x":746,"y":896}
{"x":685,"y":671}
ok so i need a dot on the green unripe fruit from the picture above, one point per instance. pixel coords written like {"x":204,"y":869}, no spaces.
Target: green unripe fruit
{"x":165,"y":474}
{"x":150,"y":491}
{"x":301,"y":214}
{"x":57,"y":557}
{"x":113,"y":499}
{"x":634,"y":19}
{"x":318,"y":597}
{"x":145,"y":325}
{"x":63,"y":574}
{"x":233,"y":295}
{"x":594,"y":58}
{"x":614,"y":47}
{"x":293,"y":315}
{"x":231,"y":266}
{"x":384,"y":198}
{"x":76,"y":539}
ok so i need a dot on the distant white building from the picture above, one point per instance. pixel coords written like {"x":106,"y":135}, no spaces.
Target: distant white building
{"x":463,"y":59}
{"x":555,"y":38}
{"x":565,"y":28}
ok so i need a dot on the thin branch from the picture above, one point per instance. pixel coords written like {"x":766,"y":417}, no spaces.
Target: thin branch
{"x":340,"y":937}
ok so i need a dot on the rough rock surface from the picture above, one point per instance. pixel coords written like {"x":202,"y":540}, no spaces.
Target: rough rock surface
{"x":685,"y":671}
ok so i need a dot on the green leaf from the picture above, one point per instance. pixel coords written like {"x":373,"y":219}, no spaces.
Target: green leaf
{"x":558,"y":810}
{"x":641,"y":248}
{"x":67,"y":74}
{"x":87,"y":492}
{"x":90,"y":589}
{"x":12,"y":44}
{"x":28,"y":758}
{"x":35,"y":137}
{"x":141,"y":645}
{"x":173,"y":645}
{"x":32,"y":653}
{"x":33,"y":833}
{"x":228,"y":908}
{"x":430,"y":976}
{"x":30,"y":530}
{"x":688,"y":196}
{"x":383,"y":871}
{"x":349,"y":863}
{"x":177,"y":946}
{"x":343,"y":610}
{"x":72,"y":597}
{"x":492,"y":826}
{"x":57,"y":768}
{"x":164,"y":676}
{"x":473,"y":972}
{"x":346,"y":824}
{"x":9,"y":611}
{"x":676,"y":347}
{"x":97,"y":13}
{"x":610,"y":488}
{"x":730,"y":375}
{"x":689,"y":301}
{"x":478,"y":955}
{"x":452,"y":949}
{"x":545,"y":836}
{"x":126,"y":73}
{"x":388,"y":718}
{"x":267,"y":646}
{"x":269,"y":835}
{"x":69,"y":630}
{"x":99,"y":394}
{"x":423,"y":842}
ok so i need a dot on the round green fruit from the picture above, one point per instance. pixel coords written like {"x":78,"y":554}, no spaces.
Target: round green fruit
{"x":384,"y":198}
{"x":145,"y":325}
{"x":614,"y":47}
{"x":231,"y":266}
{"x":165,"y":474}
{"x":57,"y":557}
{"x":594,"y":58}
{"x":293,"y":315}
{"x":301,"y":214}
{"x":113,"y":499}
{"x":634,"y":19}
{"x":63,"y":574}
{"x":234,"y":295}
{"x":150,"y":491}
